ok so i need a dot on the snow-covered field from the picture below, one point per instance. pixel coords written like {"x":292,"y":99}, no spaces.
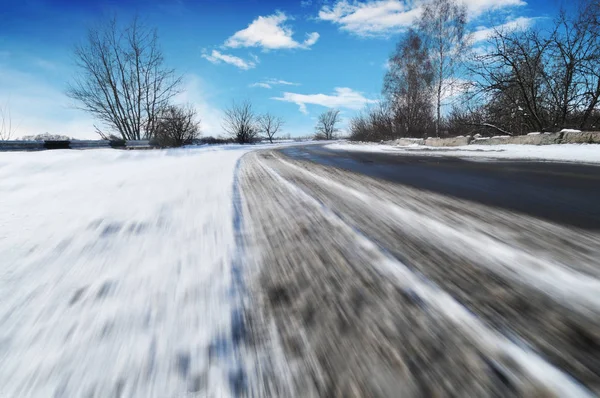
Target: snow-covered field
{"x":116,"y":272}
{"x":585,"y":153}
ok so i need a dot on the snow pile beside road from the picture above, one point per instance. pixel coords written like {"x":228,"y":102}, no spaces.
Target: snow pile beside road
{"x":583,"y":153}
{"x":115,"y":272}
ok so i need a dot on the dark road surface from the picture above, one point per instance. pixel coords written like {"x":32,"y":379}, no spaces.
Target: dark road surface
{"x":565,"y":193}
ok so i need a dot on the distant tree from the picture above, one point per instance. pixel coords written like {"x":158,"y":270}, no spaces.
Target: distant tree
{"x":6,"y":127}
{"x":442,"y":25}
{"x":46,"y":137}
{"x":123,"y":81}
{"x":326,"y":127}
{"x":408,"y":86}
{"x":269,"y":125}
{"x":177,"y":126}
{"x":240,"y":122}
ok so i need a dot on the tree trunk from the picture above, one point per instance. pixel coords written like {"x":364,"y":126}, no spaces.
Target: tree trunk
{"x":438,"y":110}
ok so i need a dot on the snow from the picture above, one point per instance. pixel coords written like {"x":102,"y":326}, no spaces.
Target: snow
{"x":115,"y":272}
{"x":582,"y":153}
{"x":570,"y":131}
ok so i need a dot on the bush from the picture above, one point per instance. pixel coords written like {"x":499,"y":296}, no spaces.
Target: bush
{"x":177,"y":126}
{"x":376,"y":125}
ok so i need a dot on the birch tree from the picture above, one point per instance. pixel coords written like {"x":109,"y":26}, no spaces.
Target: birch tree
{"x":442,"y":25}
{"x":408,"y":86}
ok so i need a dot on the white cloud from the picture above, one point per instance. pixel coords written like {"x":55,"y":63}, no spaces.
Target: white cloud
{"x":371,"y":18}
{"x":217,"y":57}
{"x":343,"y":98}
{"x":269,"y":83}
{"x":482,"y":33}
{"x":384,"y":17}
{"x":311,"y":39}
{"x":270,"y":33}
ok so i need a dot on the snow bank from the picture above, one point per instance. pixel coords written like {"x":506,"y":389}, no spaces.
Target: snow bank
{"x":570,"y":131}
{"x":559,"y":153}
{"x":115,"y":272}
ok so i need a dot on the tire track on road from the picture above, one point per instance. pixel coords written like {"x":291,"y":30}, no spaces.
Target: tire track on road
{"x":496,"y":366}
{"x":529,"y":316}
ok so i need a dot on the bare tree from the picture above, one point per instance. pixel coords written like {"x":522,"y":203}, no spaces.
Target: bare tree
{"x":6,"y":127}
{"x":240,"y":122}
{"x":511,"y":79}
{"x":572,"y":65}
{"x":408,"y":86}
{"x":442,"y":25}
{"x":269,"y":125}
{"x":177,"y":126}
{"x":326,"y":127}
{"x":543,"y":81}
{"x":123,"y":81}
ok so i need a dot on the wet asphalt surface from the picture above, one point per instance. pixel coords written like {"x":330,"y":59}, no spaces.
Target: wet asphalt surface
{"x":563,"y":193}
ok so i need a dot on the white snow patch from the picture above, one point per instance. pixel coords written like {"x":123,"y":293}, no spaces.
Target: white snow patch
{"x":115,"y":271}
{"x":570,"y":131}
{"x":582,"y":153}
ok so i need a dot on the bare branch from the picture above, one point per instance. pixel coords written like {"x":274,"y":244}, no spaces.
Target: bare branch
{"x":326,"y":127}
{"x":269,"y":125}
{"x":123,"y":81}
{"x":240,"y":122}
{"x":176,"y":126}
{"x":408,"y":86}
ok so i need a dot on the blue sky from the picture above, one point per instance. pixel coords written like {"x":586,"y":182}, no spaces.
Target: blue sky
{"x":292,"y":58}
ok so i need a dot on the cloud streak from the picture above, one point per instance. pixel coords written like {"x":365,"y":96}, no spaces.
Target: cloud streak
{"x":269,"y":83}
{"x":217,"y":57}
{"x":483,"y":33}
{"x":343,"y":97}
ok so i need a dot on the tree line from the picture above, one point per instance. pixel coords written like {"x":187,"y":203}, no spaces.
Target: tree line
{"x":519,"y":81}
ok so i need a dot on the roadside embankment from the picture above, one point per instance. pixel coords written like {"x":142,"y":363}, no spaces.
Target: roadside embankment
{"x":563,"y":137}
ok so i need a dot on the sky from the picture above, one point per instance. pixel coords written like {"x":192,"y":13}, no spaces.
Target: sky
{"x":294,"y":59}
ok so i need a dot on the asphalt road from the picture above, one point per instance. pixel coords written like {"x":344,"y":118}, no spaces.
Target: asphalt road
{"x":565,"y":193}
{"x":386,"y":275}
